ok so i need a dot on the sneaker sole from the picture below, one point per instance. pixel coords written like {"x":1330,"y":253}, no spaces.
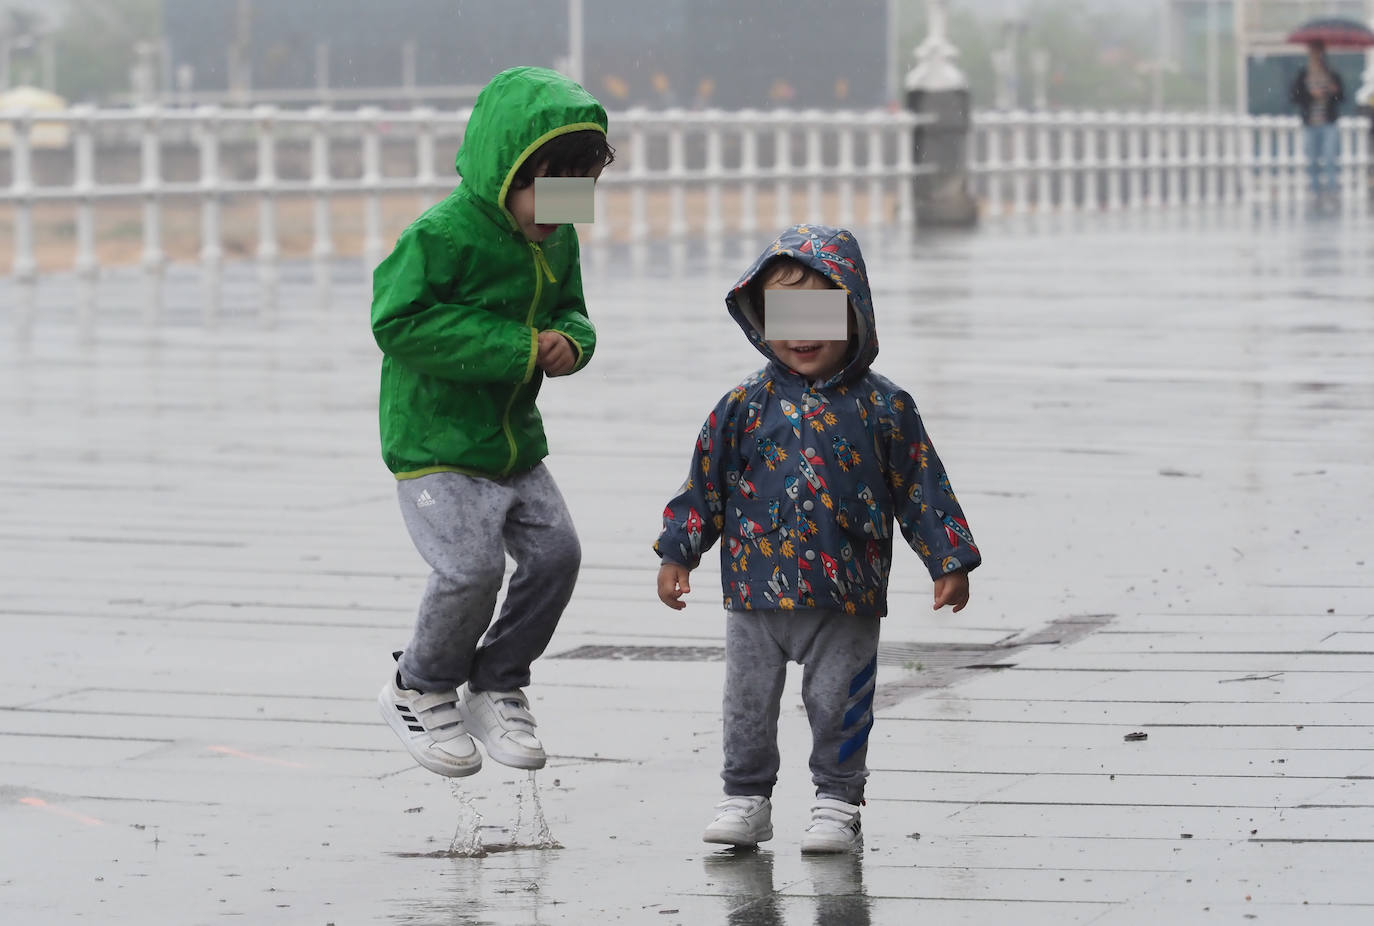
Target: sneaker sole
{"x":451,"y":769}
{"x":511,"y":760}
{"x":830,"y":848}
{"x":725,"y":839}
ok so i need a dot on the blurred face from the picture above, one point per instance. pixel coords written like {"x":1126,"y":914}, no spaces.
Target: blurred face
{"x":520,"y":204}
{"x":816,"y":360}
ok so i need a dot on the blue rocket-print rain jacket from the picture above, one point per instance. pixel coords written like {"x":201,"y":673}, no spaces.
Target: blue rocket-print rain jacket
{"x":804,"y":480}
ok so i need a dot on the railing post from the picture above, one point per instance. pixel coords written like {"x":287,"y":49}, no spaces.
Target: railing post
{"x":1242,"y":158}
{"x":1135,"y":162}
{"x":845,"y":169}
{"x":874,"y":169}
{"x":906,"y":187}
{"x":1293,"y":161}
{"x":323,"y":250}
{"x":814,"y":166}
{"x":749,"y":173}
{"x":1266,"y":159}
{"x":1068,"y":189}
{"x":1116,"y":176}
{"x":87,"y":265}
{"x":1176,"y":161}
{"x":268,"y":248}
{"x":25,"y":267}
{"x":1020,"y":165}
{"x":715,"y":221}
{"x":1195,"y":160}
{"x":677,"y":175}
{"x":1092,"y":175}
{"x":1158,"y":157}
{"x":1044,"y":164}
{"x":211,"y":250}
{"x":154,"y":261}
{"x":782,"y":164}
{"x":639,"y":174}
{"x":1350,"y":130}
{"x":1286,"y":159}
{"x":991,"y":126}
{"x":424,"y":154}
{"x":372,"y":179}
{"x":1215,"y":160}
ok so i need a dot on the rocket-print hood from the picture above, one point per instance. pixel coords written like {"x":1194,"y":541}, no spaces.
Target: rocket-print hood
{"x":834,"y":253}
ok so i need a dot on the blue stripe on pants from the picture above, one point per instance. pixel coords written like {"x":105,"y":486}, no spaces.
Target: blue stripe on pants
{"x":855,"y":742}
{"x":863,"y":677}
{"x":857,"y":712}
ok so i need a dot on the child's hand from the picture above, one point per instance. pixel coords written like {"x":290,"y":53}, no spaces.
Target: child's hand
{"x":952,"y":589}
{"x":556,"y":355}
{"x":673,"y":583}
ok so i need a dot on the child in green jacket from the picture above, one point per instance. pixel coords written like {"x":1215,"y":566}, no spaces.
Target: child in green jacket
{"x":476,"y":304}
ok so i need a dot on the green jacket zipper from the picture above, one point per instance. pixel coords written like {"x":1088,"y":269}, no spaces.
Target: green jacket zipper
{"x":541,"y":270}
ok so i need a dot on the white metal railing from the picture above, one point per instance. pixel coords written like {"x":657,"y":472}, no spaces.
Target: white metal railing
{"x":1076,"y":161}
{"x":702,"y":155}
{"x":676,"y":172}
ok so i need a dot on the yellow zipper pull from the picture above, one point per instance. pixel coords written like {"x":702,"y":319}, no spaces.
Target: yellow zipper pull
{"x":542,"y":262}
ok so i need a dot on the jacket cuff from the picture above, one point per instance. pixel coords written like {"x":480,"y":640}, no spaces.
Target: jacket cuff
{"x":577,"y":364}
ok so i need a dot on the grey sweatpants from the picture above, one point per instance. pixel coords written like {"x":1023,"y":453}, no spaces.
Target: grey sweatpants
{"x":463,"y":526}
{"x":839,"y":653}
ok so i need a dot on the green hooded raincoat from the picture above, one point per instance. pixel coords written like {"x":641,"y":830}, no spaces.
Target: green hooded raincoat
{"x":457,"y":306}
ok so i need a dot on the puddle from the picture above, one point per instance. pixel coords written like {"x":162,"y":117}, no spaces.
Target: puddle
{"x":493,"y":849}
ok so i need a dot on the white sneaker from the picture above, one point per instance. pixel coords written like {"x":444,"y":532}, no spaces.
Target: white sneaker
{"x":501,"y":721}
{"x":741,"y":820}
{"x":430,"y":727}
{"x":834,"y":827}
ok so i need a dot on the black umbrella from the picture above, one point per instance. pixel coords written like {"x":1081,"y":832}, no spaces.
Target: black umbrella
{"x":1334,"y":32}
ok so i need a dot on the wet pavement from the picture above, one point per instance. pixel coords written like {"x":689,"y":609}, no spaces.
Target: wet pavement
{"x":1160,"y":426}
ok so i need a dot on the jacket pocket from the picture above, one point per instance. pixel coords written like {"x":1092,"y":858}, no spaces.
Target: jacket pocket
{"x":865,"y":547}
{"x":753,"y":519}
{"x":862,"y":520}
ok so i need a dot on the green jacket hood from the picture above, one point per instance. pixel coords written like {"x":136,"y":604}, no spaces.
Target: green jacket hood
{"x":518,"y":111}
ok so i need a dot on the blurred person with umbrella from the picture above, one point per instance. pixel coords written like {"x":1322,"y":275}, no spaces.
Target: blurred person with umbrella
{"x":1318,"y":92}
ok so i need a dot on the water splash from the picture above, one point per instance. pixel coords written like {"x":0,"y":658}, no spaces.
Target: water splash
{"x":467,"y":838}
{"x":540,"y":836}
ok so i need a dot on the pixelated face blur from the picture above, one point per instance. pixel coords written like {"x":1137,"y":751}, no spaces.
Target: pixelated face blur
{"x":816,"y":360}
{"x":520,"y":204}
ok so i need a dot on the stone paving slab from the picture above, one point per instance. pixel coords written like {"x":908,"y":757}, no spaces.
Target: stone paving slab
{"x":1160,"y":428}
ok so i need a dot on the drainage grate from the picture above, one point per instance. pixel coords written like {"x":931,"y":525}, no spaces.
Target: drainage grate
{"x":906,"y":655}
{"x":927,"y":665}
{"x":920,"y":656}
{"x":647,"y":653}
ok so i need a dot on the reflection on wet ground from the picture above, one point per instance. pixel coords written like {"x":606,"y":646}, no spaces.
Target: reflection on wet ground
{"x":744,"y":878}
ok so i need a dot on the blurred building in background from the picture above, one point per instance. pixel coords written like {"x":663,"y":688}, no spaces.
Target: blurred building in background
{"x":670,"y":52}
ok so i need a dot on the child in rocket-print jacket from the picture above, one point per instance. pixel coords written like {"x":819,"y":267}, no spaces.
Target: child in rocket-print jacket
{"x":802,"y":469}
